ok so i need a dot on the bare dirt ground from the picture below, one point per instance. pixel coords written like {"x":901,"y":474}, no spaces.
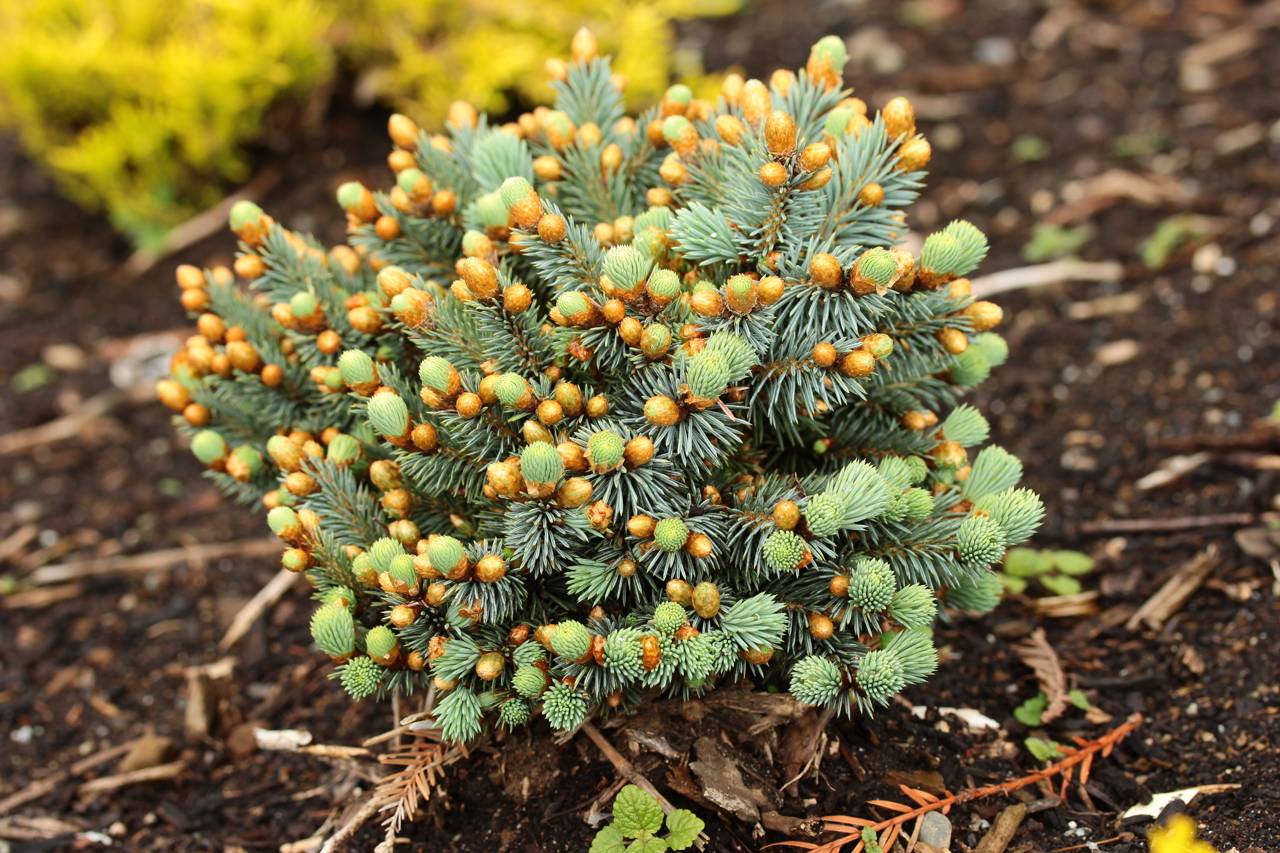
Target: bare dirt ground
{"x":1108,"y":117}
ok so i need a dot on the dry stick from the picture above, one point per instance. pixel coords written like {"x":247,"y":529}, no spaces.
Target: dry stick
{"x":629,"y":772}
{"x":1089,"y":845}
{"x":256,"y":606}
{"x":61,"y":572}
{"x":1001,"y":832}
{"x":199,"y":226}
{"x":827,"y":713}
{"x":17,"y":540}
{"x":133,"y":777}
{"x":1175,"y":591}
{"x":1169,"y":525}
{"x":60,"y":429}
{"x":1257,"y":440}
{"x":41,"y":597}
{"x":41,"y":787}
{"x":344,"y":834}
{"x":1043,"y":274}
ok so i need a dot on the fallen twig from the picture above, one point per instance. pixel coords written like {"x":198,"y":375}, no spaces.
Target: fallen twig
{"x":348,"y":830}
{"x":1175,"y":591}
{"x":256,"y":606}
{"x":1091,"y":845}
{"x":1082,"y":756}
{"x":76,"y":569}
{"x":1172,"y":470}
{"x":41,"y":787}
{"x":60,"y":429}
{"x":39,"y":598}
{"x":1067,"y":606}
{"x":17,"y":540}
{"x":1001,"y":832}
{"x":810,"y":750}
{"x":1168,"y":525}
{"x":133,"y":777}
{"x":1039,"y":275}
{"x":1259,"y":439}
{"x":629,"y":772}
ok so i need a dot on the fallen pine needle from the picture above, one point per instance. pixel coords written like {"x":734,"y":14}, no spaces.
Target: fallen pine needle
{"x":1080,"y":756}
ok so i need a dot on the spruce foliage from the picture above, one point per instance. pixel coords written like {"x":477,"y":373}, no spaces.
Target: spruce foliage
{"x":594,"y":408}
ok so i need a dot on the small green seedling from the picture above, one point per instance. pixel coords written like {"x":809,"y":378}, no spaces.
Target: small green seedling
{"x":1050,"y":242}
{"x":1056,"y":571}
{"x":637,"y":820}
{"x":1043,"y":750}
{"x":1029,"y":148}
{"x":1031,"y":712}
{"x":1170,"y":236}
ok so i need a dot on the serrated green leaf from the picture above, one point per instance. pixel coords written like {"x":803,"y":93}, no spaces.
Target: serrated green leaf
{"x":1043,"y":750}
{"x":1029,"y":713}
{"x":1026,"y":562}
{"x":871,"y":840}
{"x":683,"y":827}
{"x":635,"y":811}
{"x":1060,"y":584}
{"x":1077,"y":698}
{"x":1073,"y":562}
{"x":1017,"y":586}
{"x":608,"y":840}
{"x":648,"y":844}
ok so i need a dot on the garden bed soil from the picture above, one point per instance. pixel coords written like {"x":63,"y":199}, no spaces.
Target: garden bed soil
{"x":1026,"y":106}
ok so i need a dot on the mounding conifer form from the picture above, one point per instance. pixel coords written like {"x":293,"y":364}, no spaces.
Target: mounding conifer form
{"x":594,"y":408}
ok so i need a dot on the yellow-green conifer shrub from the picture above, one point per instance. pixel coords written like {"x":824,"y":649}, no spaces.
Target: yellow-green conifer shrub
{"x":145,"y":108}
{"x":422,"y":55}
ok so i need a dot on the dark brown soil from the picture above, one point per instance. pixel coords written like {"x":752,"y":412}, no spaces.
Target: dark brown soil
{"x":1088,"y":413}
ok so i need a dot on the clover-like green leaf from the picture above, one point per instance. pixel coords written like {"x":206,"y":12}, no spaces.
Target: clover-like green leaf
{"x":1029,"y":713}
{"x":609,"y":840}
{"x":1073,"y":562}
{"x":1061,"y":584}
{"x":1012,"y":584}
{"x":1077,"y":698}
{"x":1026,"y":562}
{"x":683,"y":827}
{"x":635,"y":811}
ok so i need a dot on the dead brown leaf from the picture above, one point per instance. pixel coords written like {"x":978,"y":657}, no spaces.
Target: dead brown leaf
{"x":1037,"y":654}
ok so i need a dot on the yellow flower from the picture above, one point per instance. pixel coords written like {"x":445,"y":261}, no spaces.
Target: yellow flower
{"x":1178,"y":837}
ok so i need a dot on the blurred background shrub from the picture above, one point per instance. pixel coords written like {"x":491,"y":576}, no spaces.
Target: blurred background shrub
{"x":148,"y":110}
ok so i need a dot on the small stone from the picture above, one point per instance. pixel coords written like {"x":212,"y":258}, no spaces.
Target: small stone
{"x":995,"y":50}
{"x":935,"y":830}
